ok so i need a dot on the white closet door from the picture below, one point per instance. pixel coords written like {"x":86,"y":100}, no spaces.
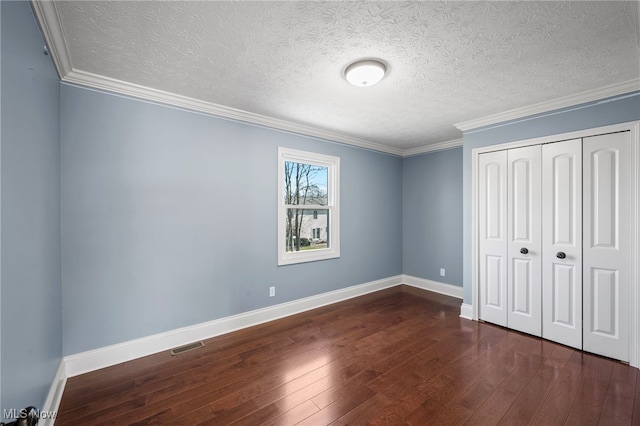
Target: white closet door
{"x":562,"y":242}
{"x":492,"y":203}
{"x":524,"y":240}
{"x":607,"y":244}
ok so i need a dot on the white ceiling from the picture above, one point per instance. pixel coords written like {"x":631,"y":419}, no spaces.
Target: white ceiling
{"x":281,"y":63}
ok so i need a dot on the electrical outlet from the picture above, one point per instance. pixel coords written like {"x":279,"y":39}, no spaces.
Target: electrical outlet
{"x":272,"y":291}
{"x":442,"y":272}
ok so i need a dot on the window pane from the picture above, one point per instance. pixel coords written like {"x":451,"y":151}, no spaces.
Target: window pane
{"x":305,"y":184}
{"x":306,"y":230}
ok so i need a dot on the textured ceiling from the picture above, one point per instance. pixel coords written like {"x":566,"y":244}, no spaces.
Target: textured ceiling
{"x":448,"y":61}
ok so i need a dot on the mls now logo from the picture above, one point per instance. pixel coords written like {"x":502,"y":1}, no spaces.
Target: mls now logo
{"x":26,"y":416}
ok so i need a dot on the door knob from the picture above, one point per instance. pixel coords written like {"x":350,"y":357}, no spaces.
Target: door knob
{"x":524,"y":250}
{"x":561,"y":255}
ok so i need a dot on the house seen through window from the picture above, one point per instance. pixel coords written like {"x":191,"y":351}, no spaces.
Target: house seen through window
{"x":308,"y":207}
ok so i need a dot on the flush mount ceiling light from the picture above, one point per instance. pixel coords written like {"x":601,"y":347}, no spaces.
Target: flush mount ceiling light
{"x":365,"y":73}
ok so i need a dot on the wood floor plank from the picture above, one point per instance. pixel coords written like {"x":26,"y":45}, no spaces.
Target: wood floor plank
{"x":296,"y":414}
{"x":636,"y":404}
{"x":199,"y":416}
{"x":347,"y":401}
{"x":559,"y":356}
{"x":558,"y":402}
{"x":587,"y":407}
{"x":618,"y":405}
{"x":401,"y":356}
{"x":365,"y":411}
{"x":493,"y":409}
{"x":297,"y":397}
{"x":469,"y":400}
{"x":460,"y":375}
{"x":259,"y":417}
{"x":522,"y":375}
{"x":113,"y":403}
{"x":532,"y":396}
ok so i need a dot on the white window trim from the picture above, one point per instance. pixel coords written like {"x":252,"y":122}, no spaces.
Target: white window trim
{"x":333,"y":206}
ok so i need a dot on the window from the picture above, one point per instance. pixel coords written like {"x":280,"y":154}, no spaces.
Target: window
{"x":308,"y":201}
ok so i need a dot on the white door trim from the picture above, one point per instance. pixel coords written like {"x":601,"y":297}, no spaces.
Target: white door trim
{"x":634,"y":272}
{"x":634,"y":300}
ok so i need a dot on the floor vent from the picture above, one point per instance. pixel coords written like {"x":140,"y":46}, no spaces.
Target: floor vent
{"x":185,"y":348}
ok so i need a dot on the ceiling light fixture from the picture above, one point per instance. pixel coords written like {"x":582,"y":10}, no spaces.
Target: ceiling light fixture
{"x":365,"y":73}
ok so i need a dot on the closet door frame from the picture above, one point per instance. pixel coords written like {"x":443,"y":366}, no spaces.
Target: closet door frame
{"x":634,"y":291}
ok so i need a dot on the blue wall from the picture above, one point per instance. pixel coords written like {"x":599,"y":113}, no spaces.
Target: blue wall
{"x":31,"y":342}
{"x":168,"y":219}
{"x":432,"y":216}
{"x":594,"y":114}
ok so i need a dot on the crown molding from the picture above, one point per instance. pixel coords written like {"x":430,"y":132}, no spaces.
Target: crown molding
{"x":99,"y":82}
{"x":432,"y":147}
{"x":108,"y":84}
{"x":47,"y":17}
{"x":542,"y":107}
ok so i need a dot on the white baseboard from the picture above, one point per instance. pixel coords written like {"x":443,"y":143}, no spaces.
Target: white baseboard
{"x":466,"y":311}
{"x":434,"y":286}
{"x":52,"y":403}
{"x":110,"y":355}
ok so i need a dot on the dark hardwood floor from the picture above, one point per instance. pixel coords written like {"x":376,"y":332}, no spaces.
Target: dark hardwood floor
{"x":396,"y":357}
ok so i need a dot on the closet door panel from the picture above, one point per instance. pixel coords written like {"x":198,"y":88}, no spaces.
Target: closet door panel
{"x":524,"y":240}
{"x":563,"y":288}
{"x":606,"y":287}
{"x":492,"y":212}
{"x":562,"y":242}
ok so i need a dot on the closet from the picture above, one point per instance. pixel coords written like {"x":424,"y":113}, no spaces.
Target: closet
{"x":554,"y":241}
